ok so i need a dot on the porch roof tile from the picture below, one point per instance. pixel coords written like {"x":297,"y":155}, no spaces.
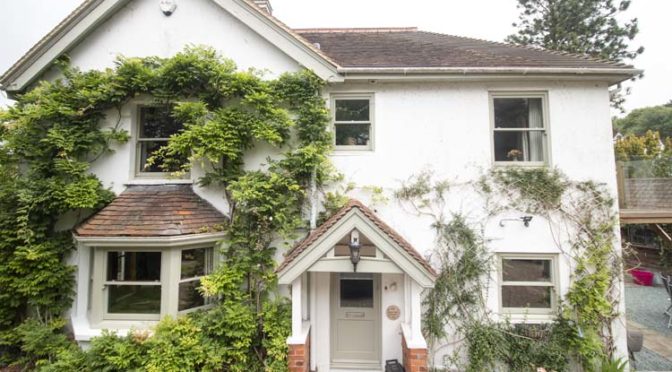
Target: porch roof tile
{"x":157,"y":210}
{"x":371,"y":215}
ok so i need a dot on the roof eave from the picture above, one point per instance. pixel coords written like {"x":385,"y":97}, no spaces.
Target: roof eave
{"x":149,"y":241}
{"x":611,"y":75}
{"x":32,"y":64}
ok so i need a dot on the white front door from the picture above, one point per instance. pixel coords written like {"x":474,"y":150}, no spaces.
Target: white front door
{"x":355,"y":324}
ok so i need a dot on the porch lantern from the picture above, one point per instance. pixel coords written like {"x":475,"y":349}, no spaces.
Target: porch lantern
{"x":355,"y":248}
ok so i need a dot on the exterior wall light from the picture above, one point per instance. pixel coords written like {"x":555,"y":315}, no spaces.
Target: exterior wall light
{"x":168,"y":7}
{"x":525,"y":219}
{"x":355,"y":249}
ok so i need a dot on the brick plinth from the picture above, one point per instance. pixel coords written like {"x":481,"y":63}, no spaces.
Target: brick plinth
{"x":298,"y":358}
{"x":415,"y":360}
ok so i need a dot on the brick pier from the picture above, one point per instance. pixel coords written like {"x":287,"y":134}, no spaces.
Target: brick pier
{"x":298,"y":358}
{"x":415,"y":360}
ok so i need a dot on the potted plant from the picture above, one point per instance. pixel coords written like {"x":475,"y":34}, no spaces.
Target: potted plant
{"x":515,"y":155}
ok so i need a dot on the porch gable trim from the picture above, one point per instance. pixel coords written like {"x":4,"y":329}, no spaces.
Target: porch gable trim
{"x":308,"y":254}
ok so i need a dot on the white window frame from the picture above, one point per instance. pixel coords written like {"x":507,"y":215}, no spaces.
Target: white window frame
{"x":546,"y":143}
{"x":522,"y":312}
{"x":171,"y":260}
{"x":137,"y":148}
{"x":372,"y":109}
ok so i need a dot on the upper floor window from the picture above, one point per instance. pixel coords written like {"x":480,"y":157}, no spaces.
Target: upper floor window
{"x":155,"y":126}
{"x":519,"y":128}
{"x":353,"y":122}
{"x":528,"y":284}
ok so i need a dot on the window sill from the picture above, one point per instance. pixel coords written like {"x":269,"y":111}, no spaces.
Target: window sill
{"x":125,"y":325}
{"x":159,"y":181}
{"x":520,"y":164}
{"x":527,"y":318}
{"x":351,"y":152}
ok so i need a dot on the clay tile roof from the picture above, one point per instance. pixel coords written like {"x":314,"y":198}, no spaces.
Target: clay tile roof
{"x":146,"y":211}
{"x":371,"y":215}
{"x":409,"y":47}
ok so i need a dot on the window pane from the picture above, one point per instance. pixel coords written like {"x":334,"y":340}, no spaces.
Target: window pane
{"x":352,"y":134}
{"x":194,"y":262}
{"x":519,"y":146}
{"x":357,"y":293}
{"x":157,"y":122}
{"x":134,"y":266}
{"x":526,"y":296}
{"x":518,"y":113}
{"x":526,"y":270}
{"x":190,"y":297}
{"x":147,"y":149}
{"x":134,"y":299}
{"x":352,"y":110}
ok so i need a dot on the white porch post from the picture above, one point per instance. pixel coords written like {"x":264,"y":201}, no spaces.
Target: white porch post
{"x":412,"y":327}
{"x":298,"y":358}
{"x":416,"y":311}
{"x":297,"y":307}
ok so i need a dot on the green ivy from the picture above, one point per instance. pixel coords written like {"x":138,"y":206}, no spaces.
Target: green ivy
{"x":53,"y":134}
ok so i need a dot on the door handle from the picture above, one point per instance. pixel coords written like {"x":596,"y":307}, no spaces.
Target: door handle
{"x":349,"y":314}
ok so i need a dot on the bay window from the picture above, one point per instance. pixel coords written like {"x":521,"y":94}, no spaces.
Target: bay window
{"x":144,"y":284}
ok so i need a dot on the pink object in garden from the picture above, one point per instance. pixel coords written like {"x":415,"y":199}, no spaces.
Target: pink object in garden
{"x":642,"y":277}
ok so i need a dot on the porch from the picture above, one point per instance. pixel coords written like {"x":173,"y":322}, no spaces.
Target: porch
{"x":356,"y":290}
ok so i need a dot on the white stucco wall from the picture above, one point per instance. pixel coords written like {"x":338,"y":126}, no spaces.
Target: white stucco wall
{"x":444,"y":127}
{"x":140,"y":29}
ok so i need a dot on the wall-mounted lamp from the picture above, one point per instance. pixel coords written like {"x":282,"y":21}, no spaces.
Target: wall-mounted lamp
{"x":525,"y":219}
{"x":355,"y":248}
{"x":168,"y":7}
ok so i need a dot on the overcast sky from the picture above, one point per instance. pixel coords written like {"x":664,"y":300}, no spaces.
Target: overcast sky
{"x":23,"y":22}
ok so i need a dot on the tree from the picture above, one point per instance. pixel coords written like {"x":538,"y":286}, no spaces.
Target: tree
{"x":645,"y":156}
{"x":646,"y":147}
{"x":588,"y":27}
{"x":639,"y":121}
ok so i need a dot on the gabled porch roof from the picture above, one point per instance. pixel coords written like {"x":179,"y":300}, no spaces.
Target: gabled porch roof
{"x":356,"y":215}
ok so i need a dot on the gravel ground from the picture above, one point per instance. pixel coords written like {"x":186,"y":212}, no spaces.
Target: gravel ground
{"x":647,"y":360}
{"x":645,"y":305}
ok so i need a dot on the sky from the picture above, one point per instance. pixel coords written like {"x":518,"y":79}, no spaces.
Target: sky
{"x":24,"y":22}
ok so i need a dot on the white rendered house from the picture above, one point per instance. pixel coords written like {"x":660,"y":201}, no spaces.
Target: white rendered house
{"x":402,"y":100}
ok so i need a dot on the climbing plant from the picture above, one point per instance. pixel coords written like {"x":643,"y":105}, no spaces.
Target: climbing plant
{"x":54,"y":133}
{"x":582,"y":221}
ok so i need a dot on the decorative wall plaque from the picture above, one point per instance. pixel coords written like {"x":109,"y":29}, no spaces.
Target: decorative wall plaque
{"x":393,"y":312}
